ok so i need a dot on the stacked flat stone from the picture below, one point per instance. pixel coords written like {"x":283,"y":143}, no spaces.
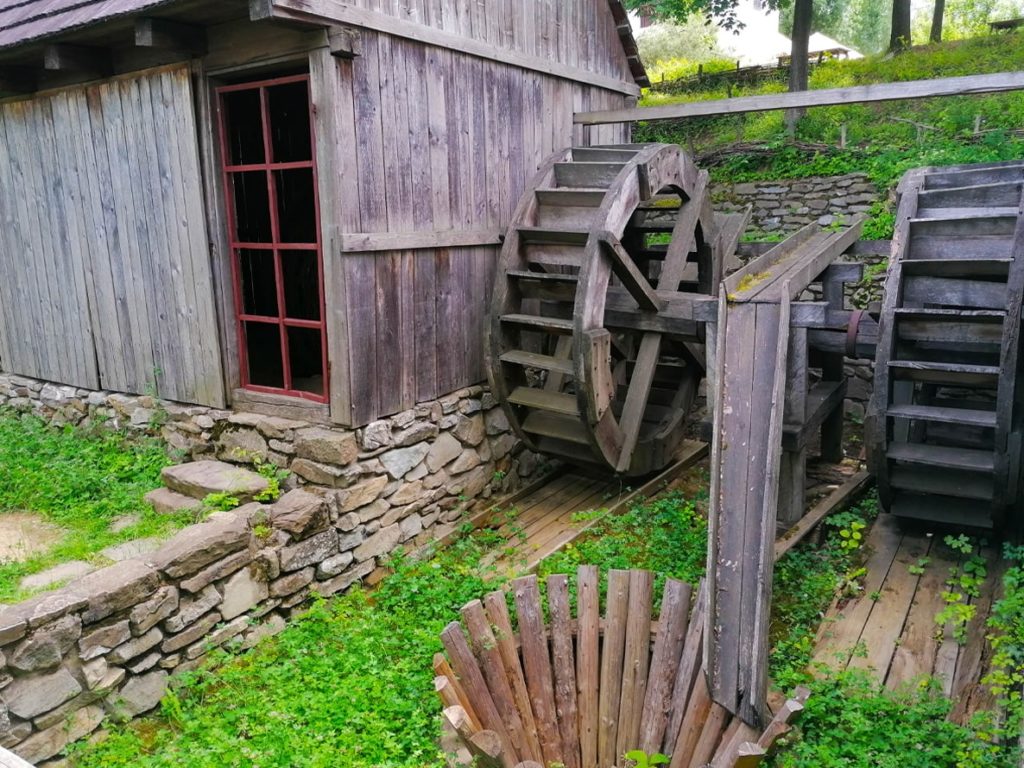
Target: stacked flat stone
{"x":787,"y":205}
{"x":409,"y":476}
{"x":106,"y":645}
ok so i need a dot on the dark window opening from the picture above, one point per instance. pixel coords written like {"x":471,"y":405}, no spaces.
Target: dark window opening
{"x":252,"y":200}
{"x":299,"y":270}
{"x":273,"y":212}
{"x":305,"y":359}
{"x":259,"y":283}
{"x":245,"y":133}
{"x":289,"y":120}
{"x":263,"y":348}
{"x":296,"y":208}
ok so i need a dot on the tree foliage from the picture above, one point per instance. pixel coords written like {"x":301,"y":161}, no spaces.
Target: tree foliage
{"x":860,"y":24}
{"x":722,"y":12}
{"x":693,"y":40}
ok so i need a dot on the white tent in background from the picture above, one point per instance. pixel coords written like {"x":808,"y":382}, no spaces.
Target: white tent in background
{"x":759,"y":43}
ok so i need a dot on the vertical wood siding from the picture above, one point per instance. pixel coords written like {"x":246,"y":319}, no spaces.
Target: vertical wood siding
{"x":579,"y":33}
{"x":106,"y":275}
{"x":438,"y":140}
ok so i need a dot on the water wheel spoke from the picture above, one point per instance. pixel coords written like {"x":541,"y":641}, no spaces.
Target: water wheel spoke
{"x":684,"y":235}
{"x":627,"y":271}
{"x":636,"y":396}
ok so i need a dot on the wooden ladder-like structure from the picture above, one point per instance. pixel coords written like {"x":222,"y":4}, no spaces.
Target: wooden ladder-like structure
{"x":945,"y":419}
{"x":582,"y":692}
{"x":584,"y":353}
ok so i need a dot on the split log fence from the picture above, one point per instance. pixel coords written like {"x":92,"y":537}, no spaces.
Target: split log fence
{"x":582,"y":692}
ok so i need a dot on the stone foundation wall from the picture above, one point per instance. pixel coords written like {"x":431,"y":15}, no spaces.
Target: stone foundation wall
{"x":787,"y":205}
{"x":429,"y":462}
{"x":106,"y":644}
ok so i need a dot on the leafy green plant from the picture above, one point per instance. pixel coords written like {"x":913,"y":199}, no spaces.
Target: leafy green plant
{"x":807,"y":578}
{"x":641,"y":759}
{"x":917,"y":569}
{"x":1006,"y":622}
{"x":851,"y":720}
{"x":222,"y":501}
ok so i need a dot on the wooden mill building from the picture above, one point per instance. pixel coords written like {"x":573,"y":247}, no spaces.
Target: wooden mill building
{"x":294,"y":203}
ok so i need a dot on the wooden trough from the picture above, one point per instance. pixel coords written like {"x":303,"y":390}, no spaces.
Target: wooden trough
{"x":583,"y":692}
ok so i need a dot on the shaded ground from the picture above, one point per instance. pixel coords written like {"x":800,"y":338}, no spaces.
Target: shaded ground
{"x":24,"y":535}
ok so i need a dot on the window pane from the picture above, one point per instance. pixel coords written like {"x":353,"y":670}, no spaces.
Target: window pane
{"x":301,"y":285}
{"x":263,"y":345}
{"x":289,"y":122}
{"x":244,"y":127}
{"x":259,"y":283}
{"x":252,"y":207}
{"x":305,"y":350}
{"x":296,"y":205}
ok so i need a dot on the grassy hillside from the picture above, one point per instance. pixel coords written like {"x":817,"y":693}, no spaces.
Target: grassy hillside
{"x":877,"y":143}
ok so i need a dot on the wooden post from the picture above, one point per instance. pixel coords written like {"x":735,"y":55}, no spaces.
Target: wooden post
{"x":793,"y":470}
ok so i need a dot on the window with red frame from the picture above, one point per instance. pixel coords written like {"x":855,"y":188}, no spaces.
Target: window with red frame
{"x":267,"y":150}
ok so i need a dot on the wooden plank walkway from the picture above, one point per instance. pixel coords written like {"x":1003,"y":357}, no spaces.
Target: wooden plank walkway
{"x":545,"y":516}
{"x":890,"y":629}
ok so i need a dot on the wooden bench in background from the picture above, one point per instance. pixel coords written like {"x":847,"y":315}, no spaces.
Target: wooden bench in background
{"x":582,"y":692}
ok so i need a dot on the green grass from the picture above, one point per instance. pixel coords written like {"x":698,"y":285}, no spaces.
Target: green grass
{"x":350,"y":683}
{"x":877,"y":145}
{"x":80,"y":480}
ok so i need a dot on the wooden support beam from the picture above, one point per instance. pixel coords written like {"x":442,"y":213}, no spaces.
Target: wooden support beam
{"x":170,"y":35}
{"x":78,"y":59}
{"x":840,"y":497}
{"x":345,"y":42}
{"x":367,"y":242}
{"x":862,"y":94}
{"x":17,"y":80}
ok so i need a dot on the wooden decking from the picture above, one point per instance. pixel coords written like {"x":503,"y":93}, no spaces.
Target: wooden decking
{"x":891,"y":629}
{"x":546,"y":516}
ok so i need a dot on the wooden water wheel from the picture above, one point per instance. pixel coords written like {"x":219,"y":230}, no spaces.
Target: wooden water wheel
{"x":945,"y":426}
{"x":581,"y":354}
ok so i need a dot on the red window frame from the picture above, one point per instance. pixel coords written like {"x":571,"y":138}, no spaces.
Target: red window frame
{"x":276,"y":245}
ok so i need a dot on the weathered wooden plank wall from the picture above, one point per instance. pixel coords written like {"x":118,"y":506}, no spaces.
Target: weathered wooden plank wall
{"x":573,"y":33}
{"x":106,"y":268}
{"x":438,"y":141}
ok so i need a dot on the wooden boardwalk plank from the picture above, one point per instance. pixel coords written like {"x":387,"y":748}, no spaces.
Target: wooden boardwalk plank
{"x":918,"y":646}
{"x":884,"y":626}
{"x":843,"y":627}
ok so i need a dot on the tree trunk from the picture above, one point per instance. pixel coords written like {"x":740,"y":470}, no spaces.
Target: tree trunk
{"x":937,"y":14}
{"x":899,"y":40}
{"x":803,"y":12}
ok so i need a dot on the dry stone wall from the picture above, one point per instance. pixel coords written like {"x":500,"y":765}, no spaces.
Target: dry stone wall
{"x":106,"y":645}
{"x":787,"y":205}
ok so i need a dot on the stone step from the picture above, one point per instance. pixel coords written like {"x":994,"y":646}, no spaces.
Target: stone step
{"x":65,"y":573}
{"x":201,"y":478}
{"x":129,"y":549}
{"x":167,"y":502}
